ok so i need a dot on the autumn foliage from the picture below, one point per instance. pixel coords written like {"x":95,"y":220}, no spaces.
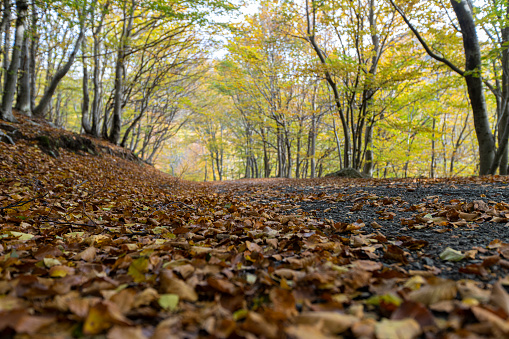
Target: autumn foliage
{"x":96,"y":244}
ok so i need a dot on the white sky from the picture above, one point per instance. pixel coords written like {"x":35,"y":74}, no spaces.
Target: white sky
{"x":248,"y":7}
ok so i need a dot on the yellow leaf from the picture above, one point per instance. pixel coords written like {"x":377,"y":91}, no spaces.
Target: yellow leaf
{"x":22,"y":236}
{"x":50,"y":262}
{"x":60,"y":271}
{"x":168,"y":302}
{"x":397,"y":329}
{"x":138,"y":268}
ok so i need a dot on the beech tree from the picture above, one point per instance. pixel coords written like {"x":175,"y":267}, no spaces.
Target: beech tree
{"x":489,"y":155}
{"x":11,"y":78}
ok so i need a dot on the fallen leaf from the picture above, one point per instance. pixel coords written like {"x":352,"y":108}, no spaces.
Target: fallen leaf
{"x":438,"y":290}
{"x":122,"y":332}
{"x":170,"y":284}
{"x":331,"y":322}
{"x":499,"y":297}
{"x":256,"y":324}
{"x":61,"y":271}
{"x":102,"y":316}
{"x":168,"y":302}
{"x":416,"y":311}
{"x":397,"y":329}
{"x":87,"y":254}
{"x":450,"y":254}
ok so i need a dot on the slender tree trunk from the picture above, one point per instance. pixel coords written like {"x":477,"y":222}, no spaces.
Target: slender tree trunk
{"x":368,"y":158}
{"x":338,"y":145}
{"x":12,"y":74}
{"x":96,"y":103}
{"x":41,"y":109}
{"x":97,"y":88}
{"x":58,"y":105}
{"x":6,"y":29}
{"x":266,"y":158}
{"x":212,"y":166}
{"x":297,"y":154}
{"x":312,"y":147}
{"x":116,"y":124}
{"x":503,"y":123}
{"x":432,"y":165}
{"x":473,"y":78}
{"x":328,"y":77}
{"x":85,"y":105}
{"x":133,"y":125}
{"x":106,"y":120}
{"x":23,"y":97}
{"x":34,"y":43}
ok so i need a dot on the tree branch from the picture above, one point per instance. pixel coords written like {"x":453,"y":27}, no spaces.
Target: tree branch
{"x":424,"y":44}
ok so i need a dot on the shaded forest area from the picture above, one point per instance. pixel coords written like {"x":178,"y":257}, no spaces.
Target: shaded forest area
{"x":214,"y":90}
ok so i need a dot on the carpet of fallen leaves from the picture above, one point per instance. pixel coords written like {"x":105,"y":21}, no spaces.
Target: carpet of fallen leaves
{"x":98,"y":246}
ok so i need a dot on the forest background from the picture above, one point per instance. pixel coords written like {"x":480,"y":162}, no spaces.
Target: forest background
{"x":213,"y":90}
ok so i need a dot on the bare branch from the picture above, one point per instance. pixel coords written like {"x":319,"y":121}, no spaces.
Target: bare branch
{"x":424,"y":44}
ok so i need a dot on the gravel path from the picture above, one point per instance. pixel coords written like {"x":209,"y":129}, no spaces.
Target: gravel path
{"x":418,"y":216}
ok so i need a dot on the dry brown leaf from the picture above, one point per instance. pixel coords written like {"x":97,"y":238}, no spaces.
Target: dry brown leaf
{"x":364,"y":328}
{"x":416,"y":311}
{"x":124,"y":299}
{"x":331,"y":322}
{"x":22,"y":322}
{"x":122,"y":332}
{"x":145,"y":297}
{"x":307,"y":331}
{"x":500,"y":325}
{"x":87,"y":254}
{"x":171,"y":284}
{"x":397,"y":329}
{"x":469,"y":289}
{"x":257,"y":324}
{"x":499,"y":297}
{"x":222,"y":285}
{"x":439,"y":290}
{"x":283,"y":301}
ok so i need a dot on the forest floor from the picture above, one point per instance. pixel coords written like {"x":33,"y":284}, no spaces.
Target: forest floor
{"x":96,"y":244}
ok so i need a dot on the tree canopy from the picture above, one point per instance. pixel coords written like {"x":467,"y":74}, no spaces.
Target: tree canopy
{"x":217,"y":90}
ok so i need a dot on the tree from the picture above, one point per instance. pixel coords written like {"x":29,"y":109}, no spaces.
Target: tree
{"x":12,"y":73}
{"x":489,"y":156}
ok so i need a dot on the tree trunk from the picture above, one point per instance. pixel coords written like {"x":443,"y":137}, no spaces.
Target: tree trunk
{"x":131,"y":127}
{"x":116,"y":124}
{"x":85,"y":119}
{"x":34,"y":43}
{"x":97,"y":84}
{"x":330,"y":81}
{"x":432,"y":165}
{"x":41,"y":108}
{"x":312,"y":149}
{"x":97,"y":88}
{"x":5,"y":28}
{"x":505,"y":94}
{"x":23,"y":98}
{"x":368,"y":158}
{"x":12,"y":74}
{"x":473,"y":65}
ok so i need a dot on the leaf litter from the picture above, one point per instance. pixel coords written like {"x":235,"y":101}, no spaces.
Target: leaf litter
{"x":95,"y":245}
